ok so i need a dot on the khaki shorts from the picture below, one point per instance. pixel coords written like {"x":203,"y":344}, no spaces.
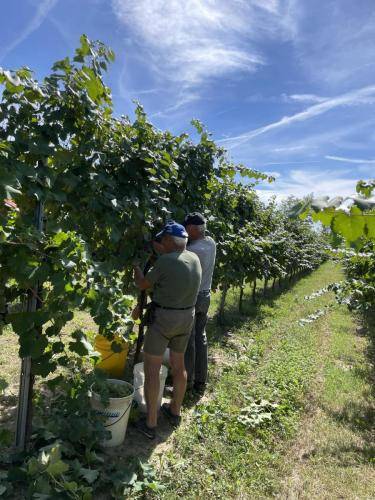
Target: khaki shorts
{"x":171,"y":328}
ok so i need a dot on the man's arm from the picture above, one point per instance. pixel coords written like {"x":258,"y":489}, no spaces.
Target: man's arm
{"x":141,"y":282}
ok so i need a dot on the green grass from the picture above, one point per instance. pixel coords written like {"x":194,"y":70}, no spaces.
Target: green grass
{"x":340,"y":435}
{"x":267,"y":356}
{"x":289,"y":408}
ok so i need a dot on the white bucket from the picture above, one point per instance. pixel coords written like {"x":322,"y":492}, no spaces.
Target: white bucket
{"x":117,"y":413}
{"x":139,"y":382}
{"x":166,"y":357}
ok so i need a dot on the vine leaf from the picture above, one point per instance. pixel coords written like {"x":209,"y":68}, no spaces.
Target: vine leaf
{"x":82,"y":346}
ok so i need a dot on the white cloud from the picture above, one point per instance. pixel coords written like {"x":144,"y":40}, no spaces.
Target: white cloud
{"x":349,"y":160}
{"x":192,"y":41}
{"x":266,"y":196}
{"x":316,"y":144}
{"x":359,"y":96}
{"x":147,"y":91}
{"x":303,"y":182}
{"x":41,"y":13}
{"x":274,"y":174}
{"x":185,"y":98}
{"x":289,"y":149}
{"x":301,"y":162}
{"x":305,"y":98}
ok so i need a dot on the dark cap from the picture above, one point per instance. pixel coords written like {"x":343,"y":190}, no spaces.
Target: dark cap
{"x":194,"y":219}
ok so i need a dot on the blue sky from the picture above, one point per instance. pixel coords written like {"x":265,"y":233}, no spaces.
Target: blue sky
{"x":287,"y":86}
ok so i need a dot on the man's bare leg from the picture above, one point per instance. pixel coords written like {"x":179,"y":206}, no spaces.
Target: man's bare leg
{"x":152,"y":366}
{"x":179,"y":381}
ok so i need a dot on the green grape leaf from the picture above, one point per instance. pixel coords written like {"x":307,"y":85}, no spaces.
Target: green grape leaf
{"x":57,"y":468}
{"x":350,"y":226}
{"x":90,"y":475}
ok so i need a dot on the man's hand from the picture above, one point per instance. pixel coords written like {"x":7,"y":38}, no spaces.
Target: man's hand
{"x":139,"y":279}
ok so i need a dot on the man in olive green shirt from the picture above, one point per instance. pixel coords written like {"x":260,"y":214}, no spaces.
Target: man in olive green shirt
{"x":175,"y":280}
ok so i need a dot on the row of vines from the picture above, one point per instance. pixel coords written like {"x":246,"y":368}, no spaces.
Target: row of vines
{"x":105,"y":185}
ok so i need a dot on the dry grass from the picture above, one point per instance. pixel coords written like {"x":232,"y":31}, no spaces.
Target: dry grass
{"x":9,"y":373}
{"x":10,"y":365}
{"x":9,"y":361}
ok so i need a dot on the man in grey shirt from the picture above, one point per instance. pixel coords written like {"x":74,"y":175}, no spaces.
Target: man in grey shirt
{"x":196,"y":355}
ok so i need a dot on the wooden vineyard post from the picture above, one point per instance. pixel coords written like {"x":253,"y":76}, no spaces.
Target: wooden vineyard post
{"x":254,"y":291}
{"x":142,"y":302}
{"x":24,"y":412}
{"x":241,"y":297}
{"x":265,"y":287}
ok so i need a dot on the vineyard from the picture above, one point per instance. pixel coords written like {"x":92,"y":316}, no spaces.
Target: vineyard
{"x":83,"y":192}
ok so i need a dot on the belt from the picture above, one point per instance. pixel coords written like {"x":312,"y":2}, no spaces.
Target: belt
{"x":172,"y":308}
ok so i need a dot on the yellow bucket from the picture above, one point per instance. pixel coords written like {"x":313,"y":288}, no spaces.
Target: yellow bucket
{"x":113,"y":363}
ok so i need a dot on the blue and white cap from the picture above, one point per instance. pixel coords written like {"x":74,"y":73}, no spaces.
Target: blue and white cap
{"x":173,"y":229}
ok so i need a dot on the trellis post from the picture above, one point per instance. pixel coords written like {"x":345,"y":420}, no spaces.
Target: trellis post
{"x":24,"y":411}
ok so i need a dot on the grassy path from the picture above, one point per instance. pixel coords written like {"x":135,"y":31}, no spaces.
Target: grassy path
{"x":288,"y":413}
{"x":334,"y":454}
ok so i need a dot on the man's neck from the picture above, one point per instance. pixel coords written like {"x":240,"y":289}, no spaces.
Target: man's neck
{"x":176,"y":249}
{"x":200,"y":237}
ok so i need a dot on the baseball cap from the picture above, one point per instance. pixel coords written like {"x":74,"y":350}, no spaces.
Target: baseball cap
{"x":194,"y":219}
{"x":173,"y":229}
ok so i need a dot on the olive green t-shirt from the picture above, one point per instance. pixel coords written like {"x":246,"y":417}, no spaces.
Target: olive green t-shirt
{"x":176,"y":279}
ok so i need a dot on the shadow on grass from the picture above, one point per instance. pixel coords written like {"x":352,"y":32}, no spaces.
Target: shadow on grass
{"x":346,"y":456}
{"x":218,"y":332}
{"x":137,"y":445}
{"x":359,"y":417}
{"x":8,"y":409}
{"x":368,"y":329}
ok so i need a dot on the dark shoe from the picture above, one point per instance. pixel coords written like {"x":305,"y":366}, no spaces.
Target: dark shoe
{"x":142,"y":427}
{"x":174,"y":420}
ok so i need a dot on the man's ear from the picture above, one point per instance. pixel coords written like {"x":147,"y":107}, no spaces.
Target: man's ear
{"x":158,"y":247}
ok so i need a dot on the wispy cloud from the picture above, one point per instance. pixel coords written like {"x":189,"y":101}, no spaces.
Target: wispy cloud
{"x":193,"y":41}
{"x":306,"y":98}
{"x":349,"y":160}
{"x":303,"y":182}
{"x":41,"y":13}
{"x":184,"y":98}
{"x":274,"y":174}
{"x":147,"y":91}
{"x":302,"y":162}
{"x":354,"y":97}
{"x":289,"y":149}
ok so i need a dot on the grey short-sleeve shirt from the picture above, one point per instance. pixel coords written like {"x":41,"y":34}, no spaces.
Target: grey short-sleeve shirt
{"x":205,"y":248}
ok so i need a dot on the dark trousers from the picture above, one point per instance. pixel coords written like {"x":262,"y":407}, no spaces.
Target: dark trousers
{"x":196,"y":355}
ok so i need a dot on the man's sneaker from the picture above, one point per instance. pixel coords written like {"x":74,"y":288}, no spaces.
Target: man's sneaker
{"x":174,"y":420}
{"x":142,"y":427}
